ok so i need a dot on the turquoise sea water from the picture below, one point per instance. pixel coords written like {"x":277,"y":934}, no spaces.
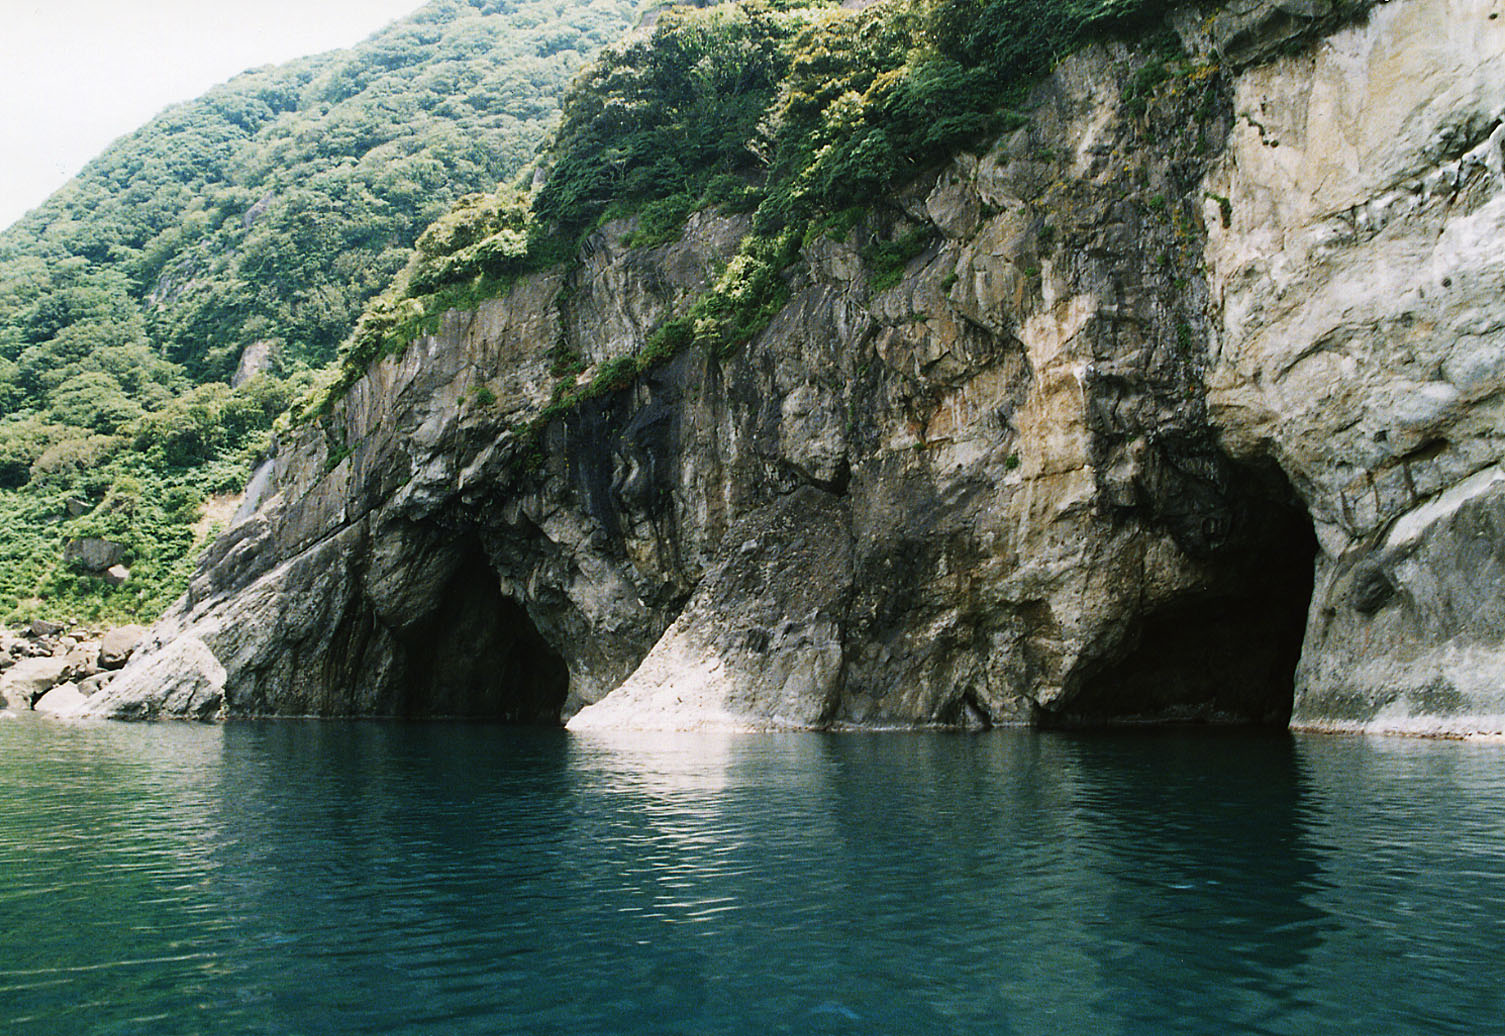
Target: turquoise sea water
{"x":299,"y":878}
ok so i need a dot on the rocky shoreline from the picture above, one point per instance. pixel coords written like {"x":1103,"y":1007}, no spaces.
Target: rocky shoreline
{"x":52,"y":667}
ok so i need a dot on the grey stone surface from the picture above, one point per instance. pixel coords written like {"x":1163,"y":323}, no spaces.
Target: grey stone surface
{"x":117,"y":644}
{"x":82,"y":660}
{"x":1246,"y":32}
{"x":62,"y":700}
{"x":30,"y":678}
{"x":184,"y":680}
{"x":1363,"y":328}
{"x":93,"y":553}
{"x":760,"y":644}
{"x":259,"y":357}
{"x":92,"y":684}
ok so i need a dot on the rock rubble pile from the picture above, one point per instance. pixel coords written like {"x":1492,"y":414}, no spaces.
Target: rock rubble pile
{"x":52,"y":667}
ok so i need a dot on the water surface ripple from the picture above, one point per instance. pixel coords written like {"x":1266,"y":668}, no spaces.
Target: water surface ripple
{"x":293,"y":878}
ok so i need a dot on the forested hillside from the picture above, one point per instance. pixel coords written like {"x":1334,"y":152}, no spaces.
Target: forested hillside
{"x":266,"y":212}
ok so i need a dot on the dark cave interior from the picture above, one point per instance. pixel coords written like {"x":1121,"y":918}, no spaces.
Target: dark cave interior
{"x":479,"y":656}
{"x":1226,"y":651}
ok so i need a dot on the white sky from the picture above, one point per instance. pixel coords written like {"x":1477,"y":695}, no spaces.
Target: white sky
{"x":77,"y":74}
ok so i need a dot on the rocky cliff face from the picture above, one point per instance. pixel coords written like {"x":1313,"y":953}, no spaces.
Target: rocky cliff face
{"x":1361,"y":287}
{"x":1173,"y":347}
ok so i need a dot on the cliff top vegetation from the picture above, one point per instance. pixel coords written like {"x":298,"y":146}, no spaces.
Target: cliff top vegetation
{"x":800,"y":112}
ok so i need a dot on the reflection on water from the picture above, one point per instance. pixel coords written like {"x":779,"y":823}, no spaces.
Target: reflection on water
{"x":437,"y":879}
{"x":1207,"y":844}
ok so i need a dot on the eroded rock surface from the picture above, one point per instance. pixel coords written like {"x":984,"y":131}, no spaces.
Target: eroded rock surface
{"x":1066,"y":470}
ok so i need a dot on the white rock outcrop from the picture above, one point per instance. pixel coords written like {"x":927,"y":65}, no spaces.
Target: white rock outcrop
{"x":1361,"y":280}
{"x":62,"y":700}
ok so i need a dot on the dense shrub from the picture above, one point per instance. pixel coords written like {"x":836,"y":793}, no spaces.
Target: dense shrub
{"x":483,"y":235}
{"x":92,"y":399}
{"x":23,"y":441}
{"x":69,"y":461}
{"x":143,"y":488}
{"x":277,"y":204}
{"x":669,"y":114}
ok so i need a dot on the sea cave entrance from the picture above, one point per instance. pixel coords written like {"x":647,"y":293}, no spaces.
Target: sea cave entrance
{"x":478,"y":655}
{"x":1225,"y":652}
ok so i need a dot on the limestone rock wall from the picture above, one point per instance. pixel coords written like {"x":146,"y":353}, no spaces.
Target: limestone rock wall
{"x":1361,"y":281}
{"x":1066,"y":470}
